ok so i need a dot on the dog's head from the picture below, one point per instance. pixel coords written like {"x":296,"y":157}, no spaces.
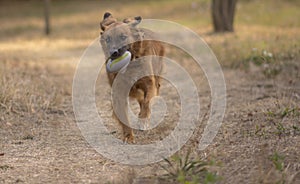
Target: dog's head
{"x":116,"y":36}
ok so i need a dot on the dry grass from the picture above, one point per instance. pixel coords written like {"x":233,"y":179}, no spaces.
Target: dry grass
{"x":39,"y":139}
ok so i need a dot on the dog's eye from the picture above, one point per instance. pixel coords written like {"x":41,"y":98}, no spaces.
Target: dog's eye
{"x":123,"y":37}
{"x":107,"y":40}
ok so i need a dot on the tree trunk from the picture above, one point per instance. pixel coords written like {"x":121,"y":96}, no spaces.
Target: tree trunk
{"x":223,"y":15}
{"x":47,"y":16}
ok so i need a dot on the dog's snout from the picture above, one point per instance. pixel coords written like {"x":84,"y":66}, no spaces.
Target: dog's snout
{"x":114,"y":53}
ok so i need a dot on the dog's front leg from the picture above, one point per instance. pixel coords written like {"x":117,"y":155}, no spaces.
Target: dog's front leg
{"x":128,"y":136}
{"x":120,"y":106}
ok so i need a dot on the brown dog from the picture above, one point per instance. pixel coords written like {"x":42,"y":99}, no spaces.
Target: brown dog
{"x":117,"y":37}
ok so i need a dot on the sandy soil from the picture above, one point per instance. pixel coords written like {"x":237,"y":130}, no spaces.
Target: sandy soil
{"x":48,"y":147}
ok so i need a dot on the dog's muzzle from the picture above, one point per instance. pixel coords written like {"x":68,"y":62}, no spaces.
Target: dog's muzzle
{"x":115,"y":53}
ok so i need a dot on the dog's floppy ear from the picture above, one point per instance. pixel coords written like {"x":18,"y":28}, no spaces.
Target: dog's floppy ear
{"x":133,"y":22}
{"x":107,"y":21}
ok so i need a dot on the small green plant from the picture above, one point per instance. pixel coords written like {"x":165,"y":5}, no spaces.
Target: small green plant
{"x":296,"y":129}
{"x":279,"y":169}
{"x":260,"y":131}
{"x":290,"y":111}
{"x":278,"y":161}
{"x":210,"y":178}
{"x":259,"y":58}
{"x":265,"y":60}
{"x":281,"y":121}
{"x":270,"y":113}
{"x":5,"y":167}
{"x":281,"y":130}
{"x":189,"y":171}
{"x":28,"y":137}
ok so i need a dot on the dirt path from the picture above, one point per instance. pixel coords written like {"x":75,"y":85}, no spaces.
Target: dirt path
{"x":51,"y":149}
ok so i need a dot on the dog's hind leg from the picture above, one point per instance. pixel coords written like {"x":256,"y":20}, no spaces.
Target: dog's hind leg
{"x":150,"y":91}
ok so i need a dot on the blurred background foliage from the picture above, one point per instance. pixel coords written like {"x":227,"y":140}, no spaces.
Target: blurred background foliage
{"x":269,"y":25}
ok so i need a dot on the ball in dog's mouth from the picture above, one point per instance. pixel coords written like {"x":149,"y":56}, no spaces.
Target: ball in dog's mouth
{"x":120,"y":63}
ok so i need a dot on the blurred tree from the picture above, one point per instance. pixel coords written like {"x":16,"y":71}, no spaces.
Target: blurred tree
{"x":47,"y":16}
{"x":223,"y":15}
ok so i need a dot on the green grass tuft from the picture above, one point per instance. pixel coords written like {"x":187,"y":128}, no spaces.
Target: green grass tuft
{"x":185,"y":170}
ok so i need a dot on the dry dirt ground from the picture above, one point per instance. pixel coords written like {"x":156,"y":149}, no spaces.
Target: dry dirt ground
{"x":40,"y":142}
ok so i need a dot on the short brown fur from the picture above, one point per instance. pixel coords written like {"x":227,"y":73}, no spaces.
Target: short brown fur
{"x":147,"y":87}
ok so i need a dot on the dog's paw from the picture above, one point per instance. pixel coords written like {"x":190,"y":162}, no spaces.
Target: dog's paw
{"x":129,"y":139}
